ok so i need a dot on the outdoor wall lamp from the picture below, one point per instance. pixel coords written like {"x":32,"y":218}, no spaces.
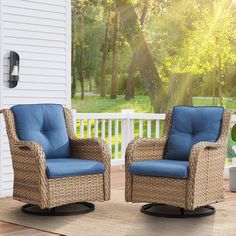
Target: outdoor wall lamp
{"x":14,"y":69}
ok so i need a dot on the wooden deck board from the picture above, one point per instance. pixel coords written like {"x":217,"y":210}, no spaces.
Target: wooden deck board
{"x":117,"y":182}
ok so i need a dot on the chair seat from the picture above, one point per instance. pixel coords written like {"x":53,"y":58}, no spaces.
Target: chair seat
{"x":64,"y":167}
{"x":160,"y":168}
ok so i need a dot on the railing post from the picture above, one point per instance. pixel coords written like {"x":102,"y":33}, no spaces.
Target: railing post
{"x":126,"y":130}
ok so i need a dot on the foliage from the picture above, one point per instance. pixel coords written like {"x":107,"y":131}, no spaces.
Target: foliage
{"x":194,"y":37}
{"x":233,"y":133}
{"x":232,"y":142}
{"x":191,"y":36}
{"x":230,"y":152}
{"x":94,"y":30}
{"x":208,"y":39}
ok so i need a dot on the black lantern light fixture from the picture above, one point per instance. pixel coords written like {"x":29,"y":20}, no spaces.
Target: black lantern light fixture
{"x":14,"y":69}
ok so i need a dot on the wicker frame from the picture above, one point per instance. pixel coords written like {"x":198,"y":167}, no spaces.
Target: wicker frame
{"x":206,"y":164}
{"x":31,"y":184}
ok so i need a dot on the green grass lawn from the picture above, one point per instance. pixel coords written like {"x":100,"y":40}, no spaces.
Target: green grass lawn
{"x":96,"y":104}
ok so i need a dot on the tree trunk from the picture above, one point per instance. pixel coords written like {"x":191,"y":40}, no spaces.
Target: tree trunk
{"x":90,"y":84}
{"x":180,"y":90}
{"x":114,"y":56}
{"x":145,"y":61}
{"x":213,"y":90}
{"x":219,"y":74}
{"x":74,"y":46}
{"x":220,"y":91}
{"x":130,"y":85}
{"x":220,"y":83}
{"x":81,"y":64}
{"x":104,"y":56}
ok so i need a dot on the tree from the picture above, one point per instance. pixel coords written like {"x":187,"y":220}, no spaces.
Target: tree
{"x":74,"y":45}
{"x":146,"y":64}
{"x":165,"y":31}
{"x":93,"y":40}
{"x":84,"y":5}
{"x":192,"y":39}
{"x":130,"y":85}
{"x":105,"y":52}
{"x":114,"y":55}
{"x":208,"y":47}
{"x":180,"y":90}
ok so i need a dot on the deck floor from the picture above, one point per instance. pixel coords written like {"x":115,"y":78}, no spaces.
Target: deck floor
{"x":117,"y":182}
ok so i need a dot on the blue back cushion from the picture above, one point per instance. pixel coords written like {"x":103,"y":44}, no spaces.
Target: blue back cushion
{"x":191,"y":125}
{"x":44,"y":124}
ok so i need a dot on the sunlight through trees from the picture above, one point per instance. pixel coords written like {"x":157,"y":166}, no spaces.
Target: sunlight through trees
{"x":169,"y":50}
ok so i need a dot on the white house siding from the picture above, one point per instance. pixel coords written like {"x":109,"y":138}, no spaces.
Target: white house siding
{"x":39,"y":31}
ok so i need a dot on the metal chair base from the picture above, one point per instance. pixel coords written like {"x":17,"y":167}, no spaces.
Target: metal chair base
{"x":162,"y":210}
{"x":66,"y":210}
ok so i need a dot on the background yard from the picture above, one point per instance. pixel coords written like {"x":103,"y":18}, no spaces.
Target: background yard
{"x":141,"y":104}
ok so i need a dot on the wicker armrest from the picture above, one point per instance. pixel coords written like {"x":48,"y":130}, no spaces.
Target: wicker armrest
{"x":94,"y":149}
{"x":29,"y":164}
{"x":206,"y":166}
{"x":90,"y":149}
{"x":145,"y":149}
{"x":32,"y":151}
{"x":139,"y":150}
{"x":29,"y":148}
{"x":197,"y":152}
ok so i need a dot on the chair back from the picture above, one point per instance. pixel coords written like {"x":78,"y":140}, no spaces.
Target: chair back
{"x":190,"y":125}
{"x":44,"y":124}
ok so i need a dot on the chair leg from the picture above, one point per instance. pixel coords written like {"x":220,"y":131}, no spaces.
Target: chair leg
{"x":162,"y":210}
{"x":66,"y":210}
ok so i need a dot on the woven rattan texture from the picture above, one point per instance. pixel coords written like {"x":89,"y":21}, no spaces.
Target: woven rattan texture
{"x":31,"y":184}
{"x":206,"y":164}
{"x":161,"y":190}
{"x":88,"y":187}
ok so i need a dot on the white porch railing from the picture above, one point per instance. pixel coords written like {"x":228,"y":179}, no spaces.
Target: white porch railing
{"x":118,"y":129}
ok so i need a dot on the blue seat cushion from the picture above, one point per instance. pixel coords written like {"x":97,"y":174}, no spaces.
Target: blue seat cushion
{"x":160,"y":168}
{"x":69,"y":166}
{"x":189,"y":126}
{"x":44,"y":124}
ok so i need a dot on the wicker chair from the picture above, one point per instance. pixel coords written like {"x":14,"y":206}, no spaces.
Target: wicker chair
{"x":200,"y":181}
{"x":35,"y":174}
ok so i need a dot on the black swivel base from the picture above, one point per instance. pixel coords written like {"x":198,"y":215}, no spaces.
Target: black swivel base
{"x":66,"y":210}
{"x":162,"y":210}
